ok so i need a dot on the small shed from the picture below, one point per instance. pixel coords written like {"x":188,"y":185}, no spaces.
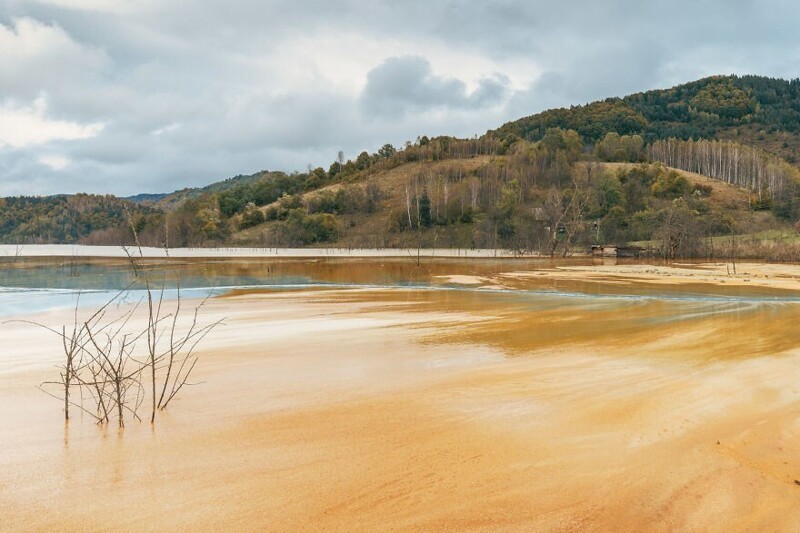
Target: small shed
{"x":612,"y":250}
{"x":604,"y":250}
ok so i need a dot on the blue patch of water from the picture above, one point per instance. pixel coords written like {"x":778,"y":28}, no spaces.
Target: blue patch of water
{"x":28,"y":300}
{"x":63,"y":284}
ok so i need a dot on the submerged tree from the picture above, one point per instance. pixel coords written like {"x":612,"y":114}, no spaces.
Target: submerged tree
{"x":105,"y":366}
{"x":110,"y":357}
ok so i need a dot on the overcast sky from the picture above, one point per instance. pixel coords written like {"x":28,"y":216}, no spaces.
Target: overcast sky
{"x":127,"y":96}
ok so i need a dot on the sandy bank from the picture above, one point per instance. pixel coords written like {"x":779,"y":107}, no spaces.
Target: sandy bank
{"x":777,"y":276}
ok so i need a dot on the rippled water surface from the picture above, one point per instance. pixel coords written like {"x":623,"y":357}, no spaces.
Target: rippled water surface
{"x":33,"y":285}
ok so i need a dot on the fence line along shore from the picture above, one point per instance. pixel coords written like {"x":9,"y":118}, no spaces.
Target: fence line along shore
{"x":77,"y":250}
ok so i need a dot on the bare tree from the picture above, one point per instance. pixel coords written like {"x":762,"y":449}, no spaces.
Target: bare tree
{"x":104,"y":361}
{"x":340,"y":160}
{"x":744,"y":166}
{"x":177,"y":358}
{"x":565,"y":211}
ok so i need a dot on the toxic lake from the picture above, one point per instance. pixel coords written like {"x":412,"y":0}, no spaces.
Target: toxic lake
{"x":364,"y":393}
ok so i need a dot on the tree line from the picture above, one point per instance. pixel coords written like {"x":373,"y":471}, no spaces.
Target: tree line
{"x":771,"y":178}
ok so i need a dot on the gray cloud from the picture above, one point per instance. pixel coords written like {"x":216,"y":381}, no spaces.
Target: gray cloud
{"x":152,"y":95}
{"x":592,"y":76}
{"x":402,"y":85}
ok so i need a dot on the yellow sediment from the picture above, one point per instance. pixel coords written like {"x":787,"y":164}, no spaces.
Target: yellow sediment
{"x":775,"y":276}
{"x":434,"y":410}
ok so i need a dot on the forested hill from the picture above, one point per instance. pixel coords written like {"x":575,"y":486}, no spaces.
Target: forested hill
{"x":66,"y":219}
{"x":753,"y":110}
{"x":673,"y":169}
{"x":174,"y":199}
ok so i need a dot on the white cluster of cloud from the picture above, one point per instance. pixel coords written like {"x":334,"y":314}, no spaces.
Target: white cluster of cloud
{"x":23,"y":127}
{"x":126,"y":96}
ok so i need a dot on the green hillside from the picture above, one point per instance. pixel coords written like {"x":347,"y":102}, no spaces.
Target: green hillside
{"x":757,"y":111}
{"x":66,"y":219}
{"x":499,"y":201}
{"x":174,"y":199}
{"x":673,"y":168}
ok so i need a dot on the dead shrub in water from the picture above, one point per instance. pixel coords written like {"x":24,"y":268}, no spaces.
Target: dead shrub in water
{"x":110,"y":358}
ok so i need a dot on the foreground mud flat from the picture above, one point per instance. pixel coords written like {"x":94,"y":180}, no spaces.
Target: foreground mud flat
{"x":436,"y":410}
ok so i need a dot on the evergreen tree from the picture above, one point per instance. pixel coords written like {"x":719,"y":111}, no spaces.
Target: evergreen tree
{"x":425,"y":218}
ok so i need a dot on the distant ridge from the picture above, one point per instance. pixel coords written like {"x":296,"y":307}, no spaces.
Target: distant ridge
{"x":146,"y":198}
{"x":755,"y":110}
{"x":175,"y":198}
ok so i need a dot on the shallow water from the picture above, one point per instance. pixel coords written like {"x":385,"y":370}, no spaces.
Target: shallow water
{"x":351,"y":395}
{"x":41,"y":284}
